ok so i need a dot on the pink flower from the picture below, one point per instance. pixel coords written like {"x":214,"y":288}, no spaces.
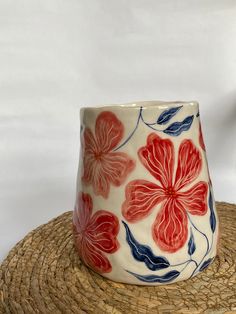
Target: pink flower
{"x":103,"y":166}
{"x":94,"y":234}
{"x":170,"y":228}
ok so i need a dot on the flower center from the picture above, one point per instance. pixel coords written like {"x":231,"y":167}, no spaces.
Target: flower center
{"x":83,"y":234}
{"x":170,"y":192}
{"x":98,"y":155}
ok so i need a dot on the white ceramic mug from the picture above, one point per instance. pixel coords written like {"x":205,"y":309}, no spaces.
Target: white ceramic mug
{"x":144,"y":212}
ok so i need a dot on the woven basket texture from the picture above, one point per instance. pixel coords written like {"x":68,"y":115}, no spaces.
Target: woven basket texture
{"x":43,"y":274}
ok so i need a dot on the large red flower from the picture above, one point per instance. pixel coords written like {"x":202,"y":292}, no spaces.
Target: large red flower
{"x":103,"y":166}
{"x":201,"y":141}
{"x":94,"y":234}
{"x":170,"y":228}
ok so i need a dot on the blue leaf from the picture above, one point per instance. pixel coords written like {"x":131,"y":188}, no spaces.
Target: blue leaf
{"x":206,"y":264}
{"x":212,"y":214}
{"x":191,"y":244}
{"x":177,"y":128}
{"x":168,"y":277}
{"x":143,"y":253}
{"x":167,"y":115}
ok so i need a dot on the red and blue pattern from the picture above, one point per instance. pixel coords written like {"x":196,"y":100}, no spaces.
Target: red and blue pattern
{"x":175,"y":193}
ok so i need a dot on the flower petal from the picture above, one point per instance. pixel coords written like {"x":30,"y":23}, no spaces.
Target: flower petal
{"x":112,"y":168}
{"x":195,"y":199}
{"x":94,"y":258}
{"x":102,"y":231}
{"x":89,"y":148}
{"x":158,"y":157}
{"x":82,"y":211}
{"x":100,"y":181}
{"x":117,"y":166}
{"x":201,"y":141}
{"x":89,"y":142}
{"x":141,"y":197}
{"x":94,"y":174}
{"x":189,"y":164}
{"x":89,"y":167}
{"x":109,"y":131}
{"x":170,"y":229}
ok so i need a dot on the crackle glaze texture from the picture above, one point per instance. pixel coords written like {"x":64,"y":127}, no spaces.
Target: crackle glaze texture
{"x":144,"y":212}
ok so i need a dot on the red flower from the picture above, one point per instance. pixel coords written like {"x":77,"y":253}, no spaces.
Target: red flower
{"x":94,"y":234}
{"x":201,"y":141}
{"x":202,"y":144}
{"x":102,"y":165}
{"x":170,"y":228}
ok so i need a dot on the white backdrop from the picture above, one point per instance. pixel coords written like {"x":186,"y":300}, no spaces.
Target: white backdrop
{"x":58,"y":55}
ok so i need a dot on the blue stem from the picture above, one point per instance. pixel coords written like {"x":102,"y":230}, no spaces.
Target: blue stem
{"x":140,"y":117}
{"x":199,"y":232}
{"x":149,"y":124}
{"x":208,"y":247}
{"x":188,"y":262}
{"x":179,"y":264}
{"x":132,"y":133}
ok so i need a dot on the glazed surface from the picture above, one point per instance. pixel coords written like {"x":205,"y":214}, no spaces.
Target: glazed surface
{"x":145,"y":211}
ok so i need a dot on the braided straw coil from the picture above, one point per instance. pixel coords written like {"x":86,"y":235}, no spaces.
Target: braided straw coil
{"x":43,"y":274}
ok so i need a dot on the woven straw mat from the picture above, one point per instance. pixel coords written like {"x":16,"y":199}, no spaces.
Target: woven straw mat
{"x":43,"y":274}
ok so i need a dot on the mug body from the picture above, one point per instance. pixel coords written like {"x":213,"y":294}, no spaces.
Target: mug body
{"x":145,"y":212}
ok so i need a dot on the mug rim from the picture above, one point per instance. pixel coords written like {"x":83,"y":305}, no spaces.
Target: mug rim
{"x":144,"y":104}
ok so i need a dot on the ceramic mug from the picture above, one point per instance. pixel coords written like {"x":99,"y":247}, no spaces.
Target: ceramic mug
{"x":144,"y":211}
